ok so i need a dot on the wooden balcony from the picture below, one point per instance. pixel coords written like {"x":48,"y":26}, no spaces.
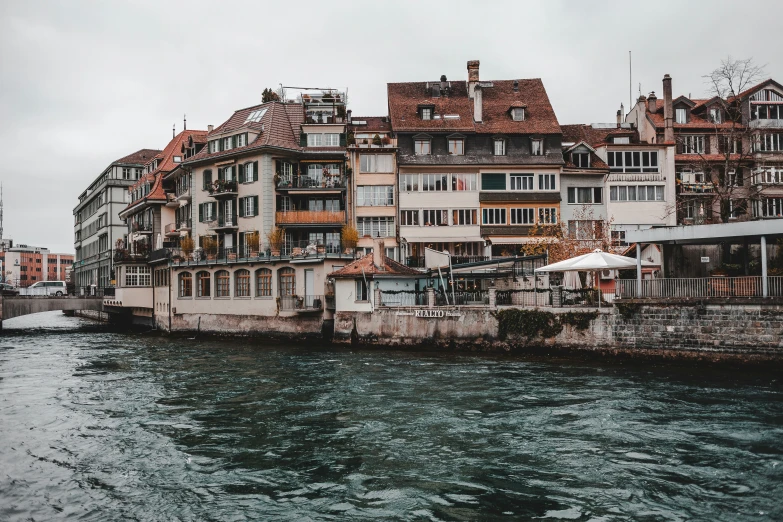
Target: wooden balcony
{"x":310,"y":217}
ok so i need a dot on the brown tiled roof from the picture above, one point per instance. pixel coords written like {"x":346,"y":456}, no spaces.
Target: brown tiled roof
{"x":374,"y":124}
{"x":592,"y":136}
{"x":596,"y":164}
{"x":698,"y":158}
{"x":281,"y":127}
{"x":140,"y":157}
{"x":695,"y":122}
{"x":755,"y":88}
{"x":365,"y":266}
{"x":405,"y":99}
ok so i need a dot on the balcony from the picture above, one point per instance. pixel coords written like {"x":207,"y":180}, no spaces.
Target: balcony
{"x":183,"y":192}
{"x":142,"y":228}
{"x":308,"y":183}
{"x":171,"y":201}
{"x":223,"y":189}
{"x":302,"y":303}
{"x":695,"y":188}
{"x":224,"y":223}
{"x":171,"y":230}
{"x":311,"y":217}
{"x":184,"y":225}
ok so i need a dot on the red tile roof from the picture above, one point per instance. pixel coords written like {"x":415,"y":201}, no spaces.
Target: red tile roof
{"x":592,"y":136}
{"x":698,"y":158}
{"x":140,"y":157}
{"x":374,"y":124}
{"x":405,"y":99}
{"x":695,"y":122}
{"x":365,"y":266}
{"x":748,"y":92}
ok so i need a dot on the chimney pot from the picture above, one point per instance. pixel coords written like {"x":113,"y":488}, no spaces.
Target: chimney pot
{"x":348,"y":116}
{"x":516,"y":85}
{"x":210,"y":128}
{"x":668,"y":111}
{"x":652,"y":100}
{"x":619,"y":117}
{"x":378,"y":252}
{"x":473,"y":70}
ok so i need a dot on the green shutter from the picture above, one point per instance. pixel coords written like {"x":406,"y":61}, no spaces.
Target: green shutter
{"x":214,"y":208}
{"x":201,"y":212}
{"x":303,"y":140}
{"x":342,"y":139}
{"x":493,"y":182}
{"x":222,"y":174}
{"x":241,"y":207}
{"x":255,"y":171}
{"x":240,"y":173}
{"x":233,"y":142}
{"x":207,"y":179}
{"x":255,"y":205}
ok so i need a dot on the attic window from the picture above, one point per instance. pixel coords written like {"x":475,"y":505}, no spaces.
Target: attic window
{"x":537,"y":147}
{"x":255,"y":116}
{"x":451,"y":116}
{"x":715,"y":115}
{"x":500,"y":147}
{"x":518,"y":114}
{"x":177,"y":159}
{"x":581,"y":159}
{"x":622,"y":141}
{"x":426,"y":113}
{"x":680,"y":116}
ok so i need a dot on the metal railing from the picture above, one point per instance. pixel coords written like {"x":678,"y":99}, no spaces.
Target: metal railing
{"x":170,"y":229}
{"x":306,"y":248}
{"x":223,"y":187}
{"x":141,"y":227}
{"x":184,"y":223}
{"x":294,"y":217}
{"x":701,"y":287}
{"x":310,"y":182}
{"x":302,"y":303}
{"x":412,"y":298}
{"x":463,"y":298}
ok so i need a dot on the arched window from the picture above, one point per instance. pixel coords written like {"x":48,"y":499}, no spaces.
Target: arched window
{"x":263,"y":282}
{"x":287,"y":281}
{"x":242,"y":283}
{"x":222,"y":284}
{"x":202,"y":284}
{"x":186,"y":284}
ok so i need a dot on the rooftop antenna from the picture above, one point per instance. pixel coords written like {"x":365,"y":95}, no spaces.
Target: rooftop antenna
{"x":630,"y":81}
{"x":1,"y":216}
{"x":174,"y":130}
{"x":184,"y":122}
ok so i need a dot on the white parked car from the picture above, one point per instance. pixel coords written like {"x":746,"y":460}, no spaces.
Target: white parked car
{"x":47,"y":288}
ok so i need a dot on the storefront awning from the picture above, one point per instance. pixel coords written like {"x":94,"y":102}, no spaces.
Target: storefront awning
{"x":514,"y":240}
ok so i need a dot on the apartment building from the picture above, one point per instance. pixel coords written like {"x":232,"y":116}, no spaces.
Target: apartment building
{"x":97,"y":225}
{"x":372,"y":198}
{"x":479,"y":164}
{"x":24,"y":265}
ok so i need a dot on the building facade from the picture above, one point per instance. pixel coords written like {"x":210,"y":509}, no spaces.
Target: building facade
{"x":24,"y":265}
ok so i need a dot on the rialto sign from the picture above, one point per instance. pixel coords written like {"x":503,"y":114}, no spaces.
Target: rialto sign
{"x":435,"y":314}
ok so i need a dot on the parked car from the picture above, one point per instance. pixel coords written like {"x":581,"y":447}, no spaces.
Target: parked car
{"x":57,"y":288}
{"x":8,"y":289}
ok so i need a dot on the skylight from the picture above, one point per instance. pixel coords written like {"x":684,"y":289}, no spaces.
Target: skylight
{"x":256,"y":116}
{"x":451,"y":116}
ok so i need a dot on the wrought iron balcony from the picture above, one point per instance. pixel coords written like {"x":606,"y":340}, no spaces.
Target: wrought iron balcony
{"x":311,"y":217}
{"x":221,"y":188}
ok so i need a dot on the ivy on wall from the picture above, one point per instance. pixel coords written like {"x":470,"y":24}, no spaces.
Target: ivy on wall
{"x":537,"y":323}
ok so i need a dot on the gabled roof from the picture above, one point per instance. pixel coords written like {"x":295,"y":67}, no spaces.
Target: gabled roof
{"x":695,"y":121}
{"x":405,"y":99}
{"x":140,"y":157}
{"x":744,"y":94}
{"x":364,"y":266}
{"x":593,"y":136}
{"x":279,"y":127}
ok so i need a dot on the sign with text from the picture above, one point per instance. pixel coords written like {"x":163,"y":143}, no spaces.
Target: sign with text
{"x":705,"y":259}
{"x":436,"y":314}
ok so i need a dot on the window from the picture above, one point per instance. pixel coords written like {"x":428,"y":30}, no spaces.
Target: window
{"x":287,"y":281}
{"x":636,"y":193}
{"x":581,"y":159}
{"x":537,"y":147}
{"x":255,"y":116}
{"x":522,"y":216}
{"x":375,"y":196}
{"x":518,"y":114}
{"x":137,"y":276}
{"x":625,"y":140}
{"x":463,"y":182}
{"x":375,"y":163}
{"x":207,"y":179}
{"x":585,"y":195}
{"x":547,"y":216}
{"x":421,"y":147}
{"x":493,"y":182}
{"x":241,"y":140}
{"x":618,"y":238}
{"x":250,"y":173}
{"x":546,"y":182}
{"x":768,"y":207}
{"x":766,"y":112}
{"x":456,"y":146}
{"x":433,"y":218}
{"x":207,"y":211}
{"x":770,"y":175}
{"x":409,"y":182}
{"x":715,"y":115}
{"x":585,"y":229}
{"x":186,"y":284}
{"x":693,"y":144}
{"x":227,"y":143}
{"x":680,"y":116}
{"x":426,"y":113}
{"x":434,"y":182}
{"x":521,"y":181}
{"x":202,"y":284}
{"x":248,"y":206}
{"x":213,"y":146}
{"x":332,"y":140}
{"x":242,"y":283}
{"x":769,"y":142}
{"x":315,"y":140}
{"x":409,"y":217}
{"x":632,"y":161}
{"x":263,"y":282}
{"x":500,"y":147}
{"x":493,"y":216}
{"x":466,"y":216}
{"x":376,"y":226}
{"x":361,"y":290}
{"x":222,"y":284}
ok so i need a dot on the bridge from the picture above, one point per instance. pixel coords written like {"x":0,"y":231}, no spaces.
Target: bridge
{"x":16,"y":306}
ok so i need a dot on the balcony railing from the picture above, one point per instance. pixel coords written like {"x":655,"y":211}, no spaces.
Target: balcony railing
{"x":418,"y":261}
{"x":699,"y":288}
{"x":695,"y":188}
{"x":171,"y":229}
{"x":302,"y":303}
{"x":463,"y":298}
{"x":145,"y":228}
{"x":315,"y":217}
{"x":404,"y":298}
{"x":223,"y":188}
{"x":308,"y":182}
{"x":224,"y":222}
{"x":184,"y":224}
{"x":182,"y":190}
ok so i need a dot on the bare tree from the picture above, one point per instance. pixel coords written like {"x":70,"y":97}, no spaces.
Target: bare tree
{"x":727,"y":183}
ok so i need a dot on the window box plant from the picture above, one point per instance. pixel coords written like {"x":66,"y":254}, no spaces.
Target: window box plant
{"x":253,"y":240}
{"x":275,"y":237}
{"x":210,"y":246}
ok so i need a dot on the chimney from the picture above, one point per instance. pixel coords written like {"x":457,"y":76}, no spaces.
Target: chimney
{"x":668,"y":111}
{"x":477,"y":106}
{"x":516,"y":85}
{"x":473,"y":76}
{"x":210,"y":128}
{"x":652,"y":102}
{"x":378,"y":251}
{"x":348,"y":116}
{"x":619,"y":117}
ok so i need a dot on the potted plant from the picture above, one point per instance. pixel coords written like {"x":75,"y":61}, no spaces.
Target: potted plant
{"x":275,"y":237}
{"x":349,"y":236}
{"x":253,"y":240}
{"x":210,"y":246}
{"x":187,"y":245}
{"x":376,"y":140}
{"x":386,"y":140}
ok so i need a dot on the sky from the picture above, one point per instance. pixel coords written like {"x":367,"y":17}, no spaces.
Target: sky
{"x":83,"y":83}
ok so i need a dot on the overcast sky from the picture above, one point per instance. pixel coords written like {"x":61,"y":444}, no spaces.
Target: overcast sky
{"x":84,"y":83}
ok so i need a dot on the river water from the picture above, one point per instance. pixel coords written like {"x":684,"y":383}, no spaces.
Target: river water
{"x":96,"y":425}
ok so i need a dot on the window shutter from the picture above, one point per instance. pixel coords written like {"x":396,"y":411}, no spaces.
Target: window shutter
{"x":255,"y":171}
{"x":707,"y":144}
{"x":240,"y":173}
{"x":342,"y":139}
{"x":201,"y":212}
{"x":207,"y":179}
{"x":221,"y":175}
{"x":213,"y":206}
{"x":242,"y":207}
{"x":233,"y":142}
{"x":679,"y":147}
{"x":255,"y":205}
{"x":303,"y":140}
